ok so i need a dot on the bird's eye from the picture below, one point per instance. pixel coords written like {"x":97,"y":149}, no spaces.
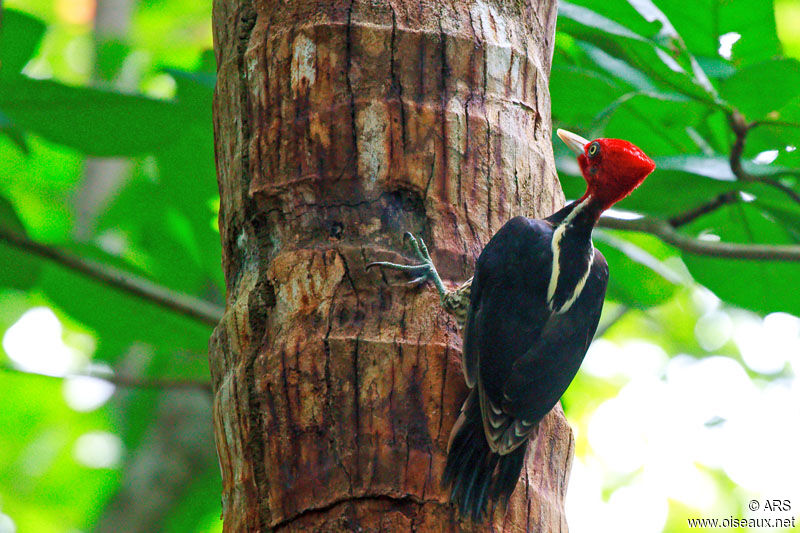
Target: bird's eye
{"x":594,"y":149}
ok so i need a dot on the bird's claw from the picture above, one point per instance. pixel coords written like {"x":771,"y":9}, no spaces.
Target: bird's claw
{"x":423,"y":272}
{"x":412,"y":269}
{"x":419,"y":248}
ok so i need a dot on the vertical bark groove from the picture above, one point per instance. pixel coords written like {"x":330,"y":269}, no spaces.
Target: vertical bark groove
{"x":338,"y":127}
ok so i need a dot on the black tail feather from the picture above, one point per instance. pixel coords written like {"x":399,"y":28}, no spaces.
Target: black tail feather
{"x":482,"y":496}
{"x":473,"y":472}
{"x":508,"y":474}
{"x":464,"y":495}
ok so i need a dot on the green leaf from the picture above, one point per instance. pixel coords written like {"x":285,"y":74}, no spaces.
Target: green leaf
{"x":669,"y":37}
{"x":619,"y":69}
{"x":14,"y":133}
{"x":763,"y":88}
{"x":666,"y":61}
{"x":763,"y":286}
{"x":787,"y":215}
{"x":715,"y":167}
{"x":655,"y":123}
{"x":779,"y":131}
{"x":110,"y":56}
{"x":586,"y":17}
{"x":790,"y":113}
{"x":638,"y":277}
{"x":775,"y":137}
{"x":40,"y":185}
{"x":569,"y":85}
{"x":94,"y":121}
{"x":703,"y":22}
{"x":20,"y":35}
{"x":9,"y":221}
{"x":20,"y":269}
{"x":777,"y":204}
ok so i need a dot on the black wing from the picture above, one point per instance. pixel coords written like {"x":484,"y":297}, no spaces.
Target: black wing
{"x":540,"y":377}
{"x":507,"y":309}
{"x":520,"y":355}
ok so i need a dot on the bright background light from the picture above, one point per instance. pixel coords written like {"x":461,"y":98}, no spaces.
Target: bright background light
{"x":34,"y":343}
{"x":6,"y":524}
{"x":677,"y":423}
{"x":98,"y":449}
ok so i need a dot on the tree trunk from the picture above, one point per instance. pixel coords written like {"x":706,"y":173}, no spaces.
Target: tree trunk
{"x":340,"y":125}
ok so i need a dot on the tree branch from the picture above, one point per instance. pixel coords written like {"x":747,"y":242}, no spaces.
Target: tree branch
{"x":704,"y":209}
{"x":667,"y":233}
{"x":129,"y":382}
{"x":184,"y":304}
{"x":740,"y":127}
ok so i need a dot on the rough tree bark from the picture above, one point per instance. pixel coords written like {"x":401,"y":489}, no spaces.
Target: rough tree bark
{"x":340,"y":125}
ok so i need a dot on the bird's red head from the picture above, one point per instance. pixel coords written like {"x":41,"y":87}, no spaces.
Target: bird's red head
{"x":612,"y":168}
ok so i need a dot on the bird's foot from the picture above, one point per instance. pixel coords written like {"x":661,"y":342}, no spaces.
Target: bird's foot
{"x":422,"y":272}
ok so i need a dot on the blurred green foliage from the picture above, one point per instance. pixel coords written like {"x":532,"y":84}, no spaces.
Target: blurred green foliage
{"x":650,"y":72}
{"x":55,"y":110}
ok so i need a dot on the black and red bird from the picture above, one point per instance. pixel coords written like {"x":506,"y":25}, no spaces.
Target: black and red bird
{"x":528,"y":315}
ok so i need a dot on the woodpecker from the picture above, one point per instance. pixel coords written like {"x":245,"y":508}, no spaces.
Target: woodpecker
{"x":528,"y":316}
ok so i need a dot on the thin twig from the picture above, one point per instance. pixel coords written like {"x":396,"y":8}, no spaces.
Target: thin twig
{"x":741,"y":127}
{"x":128,"y":382}
{"x":788,"y":191}
{"x":771,"y":122}
{"x":667,"y":233}
{"x":793,"y":172}
{"x":145,"y":289}
{"x":704,"y":209}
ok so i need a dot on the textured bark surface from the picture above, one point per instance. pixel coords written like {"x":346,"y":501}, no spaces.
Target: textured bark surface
{"x":340,"y":125}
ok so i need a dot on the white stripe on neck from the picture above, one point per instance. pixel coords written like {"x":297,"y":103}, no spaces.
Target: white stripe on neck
{"x":555,"y":272}
{"x":579,"y":287}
